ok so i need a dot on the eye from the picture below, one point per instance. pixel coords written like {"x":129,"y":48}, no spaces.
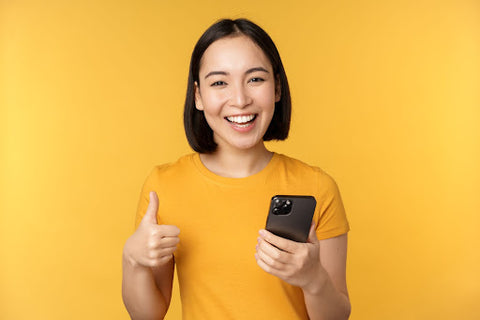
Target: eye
{"x":218,"y":83}
{"x":256,"y":79}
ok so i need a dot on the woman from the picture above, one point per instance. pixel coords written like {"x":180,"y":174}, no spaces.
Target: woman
{"x":228,"y":266}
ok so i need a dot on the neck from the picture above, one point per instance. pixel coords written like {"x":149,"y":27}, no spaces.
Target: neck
{"x":235,"y":163}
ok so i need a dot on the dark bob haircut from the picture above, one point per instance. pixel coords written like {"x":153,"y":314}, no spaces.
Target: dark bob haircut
{"x":199,"y":133}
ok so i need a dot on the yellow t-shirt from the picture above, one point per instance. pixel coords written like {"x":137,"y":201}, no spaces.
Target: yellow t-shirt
{"x":219,"y":219}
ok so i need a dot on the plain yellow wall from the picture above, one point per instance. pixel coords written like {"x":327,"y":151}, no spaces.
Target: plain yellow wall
{"x":386,"y":99}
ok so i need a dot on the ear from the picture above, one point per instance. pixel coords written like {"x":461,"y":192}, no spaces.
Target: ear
{"x":198,"y":97}
{"x":278,"y":89}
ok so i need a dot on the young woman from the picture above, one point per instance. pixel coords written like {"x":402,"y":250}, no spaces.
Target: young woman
{"x":206,"y":212}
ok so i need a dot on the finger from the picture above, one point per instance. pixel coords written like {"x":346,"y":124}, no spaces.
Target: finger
{"x":261,"y":263}
{"x":312,"y":235}
{"x":279,"y":242}
{"x":159,"y":261}
{"x":166,"y":251}
{"x":156,"y":252}
{"x":269,"y":260}
{"x":273,"y":252}
{"x":168,"y":242}
{"x":152,"y":209}
{"x":166,"y":230}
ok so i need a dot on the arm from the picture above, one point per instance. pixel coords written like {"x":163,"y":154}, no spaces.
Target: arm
{"x":317,"y":267}
{"x":327,"y":296}
{"x":148,"y":266}
{"x":146,"y":291}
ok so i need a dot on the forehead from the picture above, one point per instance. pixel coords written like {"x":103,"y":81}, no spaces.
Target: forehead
{"x":231,"y":54}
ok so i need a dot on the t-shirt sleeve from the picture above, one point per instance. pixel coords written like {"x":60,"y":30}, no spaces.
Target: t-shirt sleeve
{"x":331,"y":217}
{"x":150,"y":184}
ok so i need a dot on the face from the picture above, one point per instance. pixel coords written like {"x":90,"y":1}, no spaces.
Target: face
{"x":237,"y":92}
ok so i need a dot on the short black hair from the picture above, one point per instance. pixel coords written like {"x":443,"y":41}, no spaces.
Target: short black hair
{"x":199,"y":134}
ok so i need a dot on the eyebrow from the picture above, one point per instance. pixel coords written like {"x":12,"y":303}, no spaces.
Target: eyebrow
{"x":223,"y":73}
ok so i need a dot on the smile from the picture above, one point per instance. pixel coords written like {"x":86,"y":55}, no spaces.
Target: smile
{"x":243,"y":120}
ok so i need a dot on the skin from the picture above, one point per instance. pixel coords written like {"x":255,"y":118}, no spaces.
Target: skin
{"x":236,"y":78}
{"x":318,"y":267}
{"x":148,"y":266}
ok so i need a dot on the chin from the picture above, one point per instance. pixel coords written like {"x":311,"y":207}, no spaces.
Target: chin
{"x":247,"y":145}
{"x":241,"y":143}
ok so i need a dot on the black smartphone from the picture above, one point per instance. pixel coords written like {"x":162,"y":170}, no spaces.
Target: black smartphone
{"x":291,"y":216}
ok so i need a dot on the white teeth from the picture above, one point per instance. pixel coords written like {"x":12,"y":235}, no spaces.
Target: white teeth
{"x":241,"y":119}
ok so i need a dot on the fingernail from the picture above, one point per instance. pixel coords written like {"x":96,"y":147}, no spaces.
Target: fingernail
{"x":262,"y":233}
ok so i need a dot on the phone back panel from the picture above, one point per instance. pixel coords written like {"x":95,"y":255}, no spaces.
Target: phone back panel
{"x":295,"y":224}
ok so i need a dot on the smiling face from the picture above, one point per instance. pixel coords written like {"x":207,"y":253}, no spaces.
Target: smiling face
{"x":237,"y":92}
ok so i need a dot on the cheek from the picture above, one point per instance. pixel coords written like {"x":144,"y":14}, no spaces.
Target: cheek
{"x":266,"y":99}
{"x":213,"y":103}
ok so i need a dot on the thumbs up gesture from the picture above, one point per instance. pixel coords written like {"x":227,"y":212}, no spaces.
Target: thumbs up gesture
{"x":152,"y":245}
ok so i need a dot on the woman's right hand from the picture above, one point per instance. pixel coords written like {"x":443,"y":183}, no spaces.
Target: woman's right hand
{"x":152,"y":245}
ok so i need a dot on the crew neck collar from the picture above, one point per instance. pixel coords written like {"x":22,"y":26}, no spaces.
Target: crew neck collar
{"x":254,"y":178}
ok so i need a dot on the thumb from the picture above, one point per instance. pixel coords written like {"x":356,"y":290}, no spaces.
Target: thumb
{"x":152,"y":209}
{"x":312,"y":236}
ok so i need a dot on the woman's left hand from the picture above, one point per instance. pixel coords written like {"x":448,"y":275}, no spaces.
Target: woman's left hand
{"x":294,"y":262}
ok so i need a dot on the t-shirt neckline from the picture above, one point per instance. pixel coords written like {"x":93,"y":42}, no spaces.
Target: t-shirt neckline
{"x":254,"y":178}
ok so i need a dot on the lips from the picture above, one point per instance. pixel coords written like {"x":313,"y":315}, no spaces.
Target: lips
{"x":241,"y":119}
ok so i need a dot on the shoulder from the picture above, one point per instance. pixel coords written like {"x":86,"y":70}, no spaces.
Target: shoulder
{"x":170,"y":170}
{"x":306,"y":171}
{"x":296,"y":164}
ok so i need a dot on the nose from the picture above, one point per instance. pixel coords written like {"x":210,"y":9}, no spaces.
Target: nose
{"x":240,"y":97}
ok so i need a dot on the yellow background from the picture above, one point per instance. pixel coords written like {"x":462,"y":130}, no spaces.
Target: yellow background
{"x":386,"y":99}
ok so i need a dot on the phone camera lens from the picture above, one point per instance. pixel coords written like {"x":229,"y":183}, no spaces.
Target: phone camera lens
{"x":282,"y":207}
